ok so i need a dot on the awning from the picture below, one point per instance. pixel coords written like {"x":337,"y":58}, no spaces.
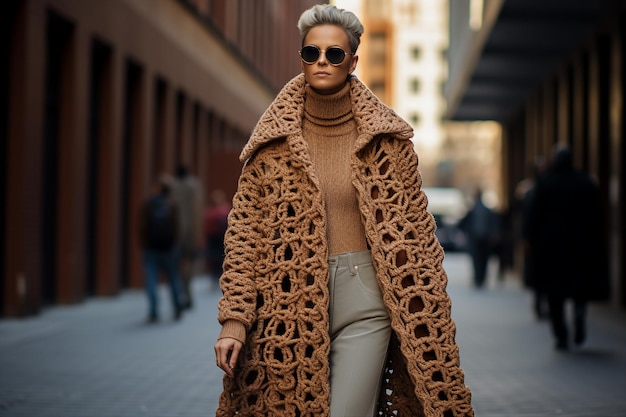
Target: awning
{"x":520,"y":44}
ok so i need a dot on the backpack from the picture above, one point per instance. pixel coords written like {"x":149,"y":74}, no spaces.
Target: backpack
{"x":161,"y":224}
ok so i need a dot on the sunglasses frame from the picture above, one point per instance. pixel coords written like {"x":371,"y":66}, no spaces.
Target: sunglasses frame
{"x":319,"y":53}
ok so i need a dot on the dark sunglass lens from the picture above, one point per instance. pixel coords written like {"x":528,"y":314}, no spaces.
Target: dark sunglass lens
{"x":310,"y":54}
{"x":335,"y":55}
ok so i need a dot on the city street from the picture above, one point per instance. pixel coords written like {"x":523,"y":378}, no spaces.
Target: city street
{"x":100,"y":359}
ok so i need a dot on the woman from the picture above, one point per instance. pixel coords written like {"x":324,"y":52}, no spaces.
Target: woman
{"x":334,"y":299}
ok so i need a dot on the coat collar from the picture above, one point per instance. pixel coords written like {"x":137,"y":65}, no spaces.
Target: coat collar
{"x":283,"y":118}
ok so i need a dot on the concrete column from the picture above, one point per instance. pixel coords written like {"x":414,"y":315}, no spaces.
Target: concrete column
{"x":579,"y":111}
{"x":533,"y":132}
{"x":203,"y":149}
{"x":22,"y":272}
{"x":109,"y":179}
{"x":622,"y":152}
{"x":601,"y":160}
{"x":166,"y":130}
{"x":594,"y":98}
{"x":548,"y":118}
{"x":617,"y":199}
{"x":141,"y":151}
{"x":563,"y":134}
{"x":72,"y":171}
{"x":185,"y":148}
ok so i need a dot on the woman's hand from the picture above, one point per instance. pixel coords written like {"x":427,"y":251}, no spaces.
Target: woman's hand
{"x":226,"y":354}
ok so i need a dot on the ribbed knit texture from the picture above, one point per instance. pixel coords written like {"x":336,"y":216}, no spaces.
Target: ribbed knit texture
{"x":233,"y":329}
{"x":330,"y":130}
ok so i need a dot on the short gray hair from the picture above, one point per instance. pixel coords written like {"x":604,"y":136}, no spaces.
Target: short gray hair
{"x":327,"y":14}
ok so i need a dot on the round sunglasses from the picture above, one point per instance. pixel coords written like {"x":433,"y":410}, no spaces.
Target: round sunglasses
{"x":335,"y":55}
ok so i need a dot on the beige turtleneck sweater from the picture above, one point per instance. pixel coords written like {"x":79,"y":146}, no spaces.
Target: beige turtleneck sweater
{"x":330,"y":130}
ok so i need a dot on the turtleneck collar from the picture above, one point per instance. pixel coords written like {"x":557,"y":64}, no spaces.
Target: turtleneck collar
{"x":328,"y":109}
{"x":284,"y":117}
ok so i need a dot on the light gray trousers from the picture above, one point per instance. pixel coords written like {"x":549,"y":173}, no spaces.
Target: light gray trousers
{"x":360,"y":331}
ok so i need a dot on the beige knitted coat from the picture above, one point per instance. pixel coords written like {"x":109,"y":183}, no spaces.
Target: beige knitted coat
{"x":275,"y":278}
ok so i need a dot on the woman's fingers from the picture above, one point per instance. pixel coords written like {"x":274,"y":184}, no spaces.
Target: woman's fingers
{"x":226,"y":354}
{"x":234,"y":355}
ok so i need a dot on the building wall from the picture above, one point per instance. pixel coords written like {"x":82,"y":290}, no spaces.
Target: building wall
{"x":420,"y":69}
{"x":99,"y":99}
{"x":581,"y":104}
{"x":403,"y":60}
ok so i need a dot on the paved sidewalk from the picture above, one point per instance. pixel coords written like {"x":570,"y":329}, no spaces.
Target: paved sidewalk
{"x":99,"y":359}
{"x":511,"y":365}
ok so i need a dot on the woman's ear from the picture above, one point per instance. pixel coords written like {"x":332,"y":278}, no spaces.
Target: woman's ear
{"x":355,"y":59}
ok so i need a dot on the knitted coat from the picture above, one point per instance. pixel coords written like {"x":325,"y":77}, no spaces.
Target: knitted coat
{"x":275,"y":278}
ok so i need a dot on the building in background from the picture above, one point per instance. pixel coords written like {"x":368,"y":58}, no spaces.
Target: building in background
{"x":98,"y":99}
{"x":550,"y":72}
{"x":403,"y":59}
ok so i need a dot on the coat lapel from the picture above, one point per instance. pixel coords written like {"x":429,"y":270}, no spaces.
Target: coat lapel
{"x":283,"y":118}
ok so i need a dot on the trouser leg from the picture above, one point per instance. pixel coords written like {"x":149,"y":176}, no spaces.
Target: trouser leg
{"x":174,"y":281}
{"x":557,"y":320}
{"x":539,"y":303}
{"x":151,"y":273}
{"x":580,"y":313}
{"x":360,"y":332}
{"x":480,"y":259}
{"x":185,"y":256}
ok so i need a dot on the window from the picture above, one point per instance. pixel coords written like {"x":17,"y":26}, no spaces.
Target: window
{"x":377,"y":8}
{"x":414,"y":85}
{"x":416,"y":52}
{"x":378,"y":47}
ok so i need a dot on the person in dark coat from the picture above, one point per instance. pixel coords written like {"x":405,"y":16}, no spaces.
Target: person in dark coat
{"x":481,"y":225}
{"x":524,"y":193}
{"x":565,"y":232}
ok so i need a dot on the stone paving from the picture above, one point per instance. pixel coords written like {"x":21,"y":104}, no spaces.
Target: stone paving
{"x":511,"y":365}
{"x":100,"y":359}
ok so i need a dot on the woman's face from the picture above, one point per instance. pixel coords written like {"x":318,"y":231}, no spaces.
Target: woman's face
{"x":322,"y":76}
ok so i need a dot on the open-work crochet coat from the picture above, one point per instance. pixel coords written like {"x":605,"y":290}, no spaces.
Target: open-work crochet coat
{"x":275,"y":278}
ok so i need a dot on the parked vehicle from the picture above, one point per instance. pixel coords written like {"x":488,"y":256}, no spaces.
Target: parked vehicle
{"x":447,"y":205}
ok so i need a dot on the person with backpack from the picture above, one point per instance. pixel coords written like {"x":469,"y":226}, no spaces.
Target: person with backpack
{"x":159,"y":228}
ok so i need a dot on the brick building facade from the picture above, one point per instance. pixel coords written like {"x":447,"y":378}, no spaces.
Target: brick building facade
{"x":97,"y":100}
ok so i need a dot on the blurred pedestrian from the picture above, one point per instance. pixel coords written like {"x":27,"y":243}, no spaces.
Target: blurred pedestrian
{"x":215,"y":224}
{"x":481,"y":226}
{"x":503,"y":245}
{"x":158,"y":229}
{"x":565,"y":231}
{"x":187,"y":193}
{"x":334,"y":300}
{"x":523,"y":194}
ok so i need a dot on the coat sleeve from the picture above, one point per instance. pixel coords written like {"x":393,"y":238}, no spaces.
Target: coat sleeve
{"x":240,"y":245}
